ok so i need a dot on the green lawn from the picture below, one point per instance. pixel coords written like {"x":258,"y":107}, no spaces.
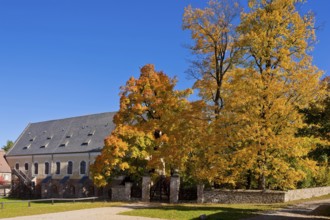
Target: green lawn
{"x":188,"y":211}
{"x":14,"y":209}
{"x":165,"y":211}
{"x":213,"y":211}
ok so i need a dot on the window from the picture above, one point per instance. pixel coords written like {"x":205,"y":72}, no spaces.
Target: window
{"x":17,"y":166}
{"x":70,"y":166}
{"x":26,"y":166}
{"x":58,"y":168}
{"x":27,"y":147}
{"x":82,"y":167}
{"x":65,"y":143}
{"x":46,"y":168}
{"x":44,"y":145}
{"x":36,"y":168}
{"x":85,"y":143}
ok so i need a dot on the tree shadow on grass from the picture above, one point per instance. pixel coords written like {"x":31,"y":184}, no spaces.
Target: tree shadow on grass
{"x":194,"y":212}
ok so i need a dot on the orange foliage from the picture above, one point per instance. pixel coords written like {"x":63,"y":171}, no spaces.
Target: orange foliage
{"x":147,"y":104}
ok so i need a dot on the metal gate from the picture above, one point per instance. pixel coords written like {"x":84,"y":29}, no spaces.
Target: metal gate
{"x":160,"y":191}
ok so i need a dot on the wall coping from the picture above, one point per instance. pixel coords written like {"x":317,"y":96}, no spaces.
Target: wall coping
{"x":245,"y":191}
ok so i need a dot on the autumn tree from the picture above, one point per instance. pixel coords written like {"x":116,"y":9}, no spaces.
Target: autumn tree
{"x":214,"y":34}
{"x":217,"y":53}
{"x":266,"y":95}
{"x":149,"y":125}
{"x":317,"y":119}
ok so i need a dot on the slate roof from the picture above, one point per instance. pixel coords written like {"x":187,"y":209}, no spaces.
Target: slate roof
{"x":70,"y":135}
{"x":4,"y":167}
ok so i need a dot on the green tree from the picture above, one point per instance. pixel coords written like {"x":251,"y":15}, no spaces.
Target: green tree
{"x":8,"y":145}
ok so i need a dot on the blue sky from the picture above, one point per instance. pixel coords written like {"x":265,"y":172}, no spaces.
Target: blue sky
{"x":64,"y":58}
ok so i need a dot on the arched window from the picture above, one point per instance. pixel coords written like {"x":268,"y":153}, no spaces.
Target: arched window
{"x":58,"y":168}
{"x":17,"y":166}
{"x":36,"y":168}
{"x":82,"y":167}
{"x":26,"y":166}
{"x":46,"y":168}
{"x":70,"y":166}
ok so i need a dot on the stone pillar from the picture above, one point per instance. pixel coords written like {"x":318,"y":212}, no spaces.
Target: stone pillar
{"x":106,"y":193}
{"x":174,"y":188}
{"x":60,"y":190}
{"x":44,"y":191}
{"x":200,"y":193}
{"x":146,"y":185}
{"x":79,"y":190}
{"x":128,"y":188}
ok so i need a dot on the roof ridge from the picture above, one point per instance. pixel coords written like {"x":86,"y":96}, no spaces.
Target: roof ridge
{"x":81,"y":116}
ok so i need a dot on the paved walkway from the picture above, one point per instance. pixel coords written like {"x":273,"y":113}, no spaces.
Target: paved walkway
{"x":303,"y":211}
{"x":94,"y":214}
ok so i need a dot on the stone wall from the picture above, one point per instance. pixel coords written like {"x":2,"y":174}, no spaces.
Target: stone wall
{"x":259,"y":196}
{"x":306,"y":193}
{"x":121,"y":193}
{"x":243,"y":196}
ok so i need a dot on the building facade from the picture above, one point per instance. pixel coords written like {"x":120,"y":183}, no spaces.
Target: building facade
{"x":52,"y":158}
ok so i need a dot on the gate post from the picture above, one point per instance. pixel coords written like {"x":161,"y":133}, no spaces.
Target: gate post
{"x":128,"y":189}
{"x":174,"y":188}
{"x":146,"y":184}
{"x":44,"y":190}
{"x":200,"y":193}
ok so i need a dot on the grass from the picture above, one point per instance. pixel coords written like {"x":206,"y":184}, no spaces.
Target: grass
{"x":20,"y":207}
{"x":212,"y":211}
{"x":189,"y":211}
{"x":167,"y":211}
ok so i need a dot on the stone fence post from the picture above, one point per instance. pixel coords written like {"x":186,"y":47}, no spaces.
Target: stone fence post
{"x":174,"y":188}
{"x":200,"y":193}
{"x":146,"y":185}
{"x":128,"y":189}
{"x":44,"y":191}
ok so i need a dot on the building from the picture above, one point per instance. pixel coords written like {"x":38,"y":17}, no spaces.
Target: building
{"x":5,"y":171}
{"x":5,"y":175}
{"x":52,"y":158}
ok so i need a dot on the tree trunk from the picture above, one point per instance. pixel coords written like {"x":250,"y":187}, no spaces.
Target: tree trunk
{"x":262,"y":182}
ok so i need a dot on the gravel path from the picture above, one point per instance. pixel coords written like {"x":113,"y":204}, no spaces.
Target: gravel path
{"x":307,"y":210}
{"x":94,"y":214}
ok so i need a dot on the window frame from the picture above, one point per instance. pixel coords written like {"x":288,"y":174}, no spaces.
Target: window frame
{"x":36,"y":168}
{"x":26,"y":166}
{"x":58,"y":168}
{"x":68,"y":168}
{"x":47,"y":168}
{"x":85,"y":167}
